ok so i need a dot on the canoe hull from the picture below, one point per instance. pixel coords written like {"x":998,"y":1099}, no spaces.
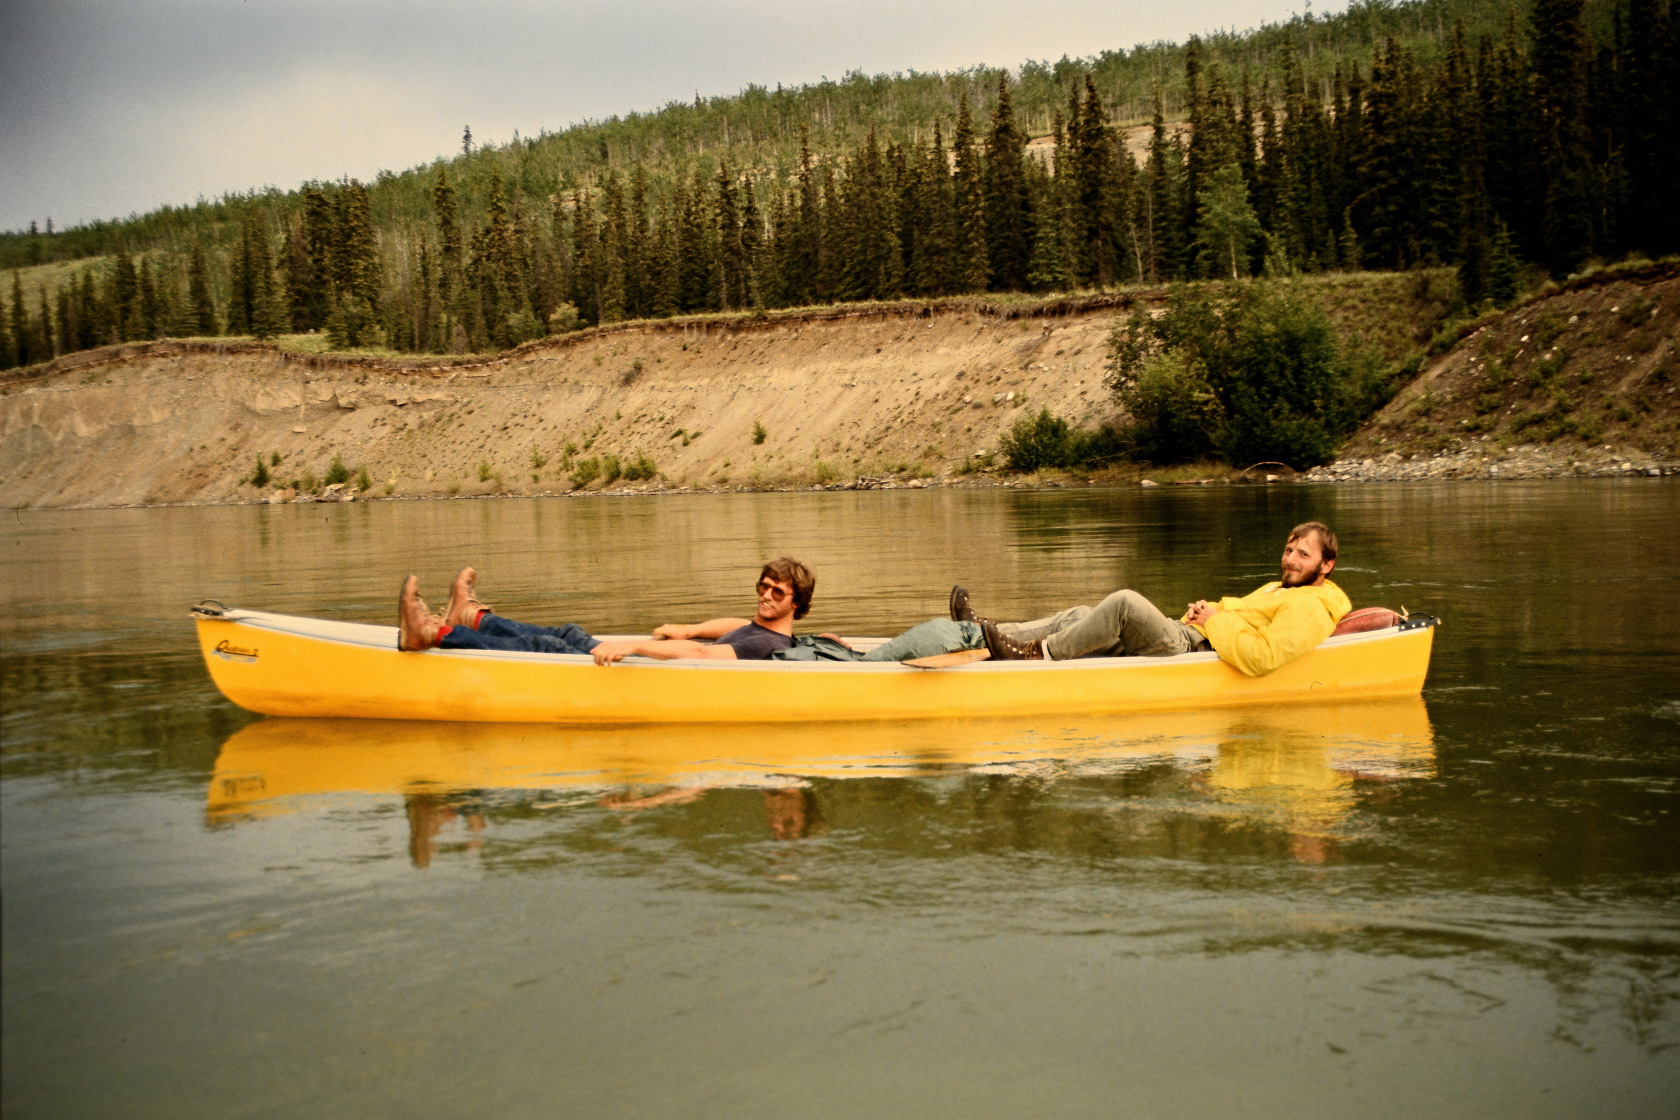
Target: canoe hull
{"x":285,"y":666}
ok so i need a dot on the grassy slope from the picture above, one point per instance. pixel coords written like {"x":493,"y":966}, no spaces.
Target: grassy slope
{"x":1578,"y":366}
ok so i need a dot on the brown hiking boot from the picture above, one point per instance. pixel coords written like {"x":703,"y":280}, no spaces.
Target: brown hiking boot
{"x":1008,"y":649}
{"x":464,"y":608}
{"x":961,"y":611}
{"x":417,"y":626}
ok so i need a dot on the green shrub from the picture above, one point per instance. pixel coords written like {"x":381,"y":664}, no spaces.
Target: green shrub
{"x":337,"y":472}
{"x":1087,"y":448}
{"x":759,"y":433}
{"x":1041,"y":440}
{"x":563,"y":319}
{"x":641,"y":469}
{"x":259,"y":477}
{"x":1635,"y":310}
{"x":611,"y":468}
{"x":1173,"y":409}
{"x":1034,"y":442}
{"x":1547,"y":328}
{"x":586,"y":471}
{"x":523,"y":326}
{"x":363,"y":482}
{"x":484,"y":470}
{"x":1548,"y":368}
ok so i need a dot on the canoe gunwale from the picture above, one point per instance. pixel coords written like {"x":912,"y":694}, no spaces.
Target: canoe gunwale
{"x":384,"y":638}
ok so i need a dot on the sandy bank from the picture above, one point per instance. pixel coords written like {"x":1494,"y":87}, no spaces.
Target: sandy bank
{"x":901,"y":395}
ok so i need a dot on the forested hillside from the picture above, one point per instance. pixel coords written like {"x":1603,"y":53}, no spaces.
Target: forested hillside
{"x":1460,"y":132}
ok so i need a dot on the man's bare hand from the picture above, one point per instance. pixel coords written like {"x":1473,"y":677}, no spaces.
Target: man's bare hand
{"x":674,"y":631}
{"x":608,"y":652}
{"x":1200,"y":611}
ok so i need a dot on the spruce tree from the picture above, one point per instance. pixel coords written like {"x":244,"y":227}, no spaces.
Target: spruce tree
{"x":26,"y":353}
{"x":8,"y":333}
{"x":1474,"y":211}
{"x":697,"y":248}
{"x":637,"y":283}
{"x":299,"y":281}
{"x":972,"y":266}
{"x":44,"y":334}
{"x":319,"y":221}
{"x":1649,"y":121}
{"x":1104,"y":189}
{"x":496,"y":273}
{"x":831,"y":262}
{"x":147,"y":319}
{"x":804,"y":261}
{"x":732,"y":261}
{"x":241,"y":282}
{"x":449,"y":234}
{"x":614,"y":249}
{"x":198,"y":292}
{"x":1008,"y":216}
{"x":586,"y":260}
{"x":938,"y":243}
{"x":1160,"y":232}
{"x":125,"y":298}
{"x":1560,"y":92}
{"x":1046,"y":270}
{"x":1504,"y":268}
{"x":64,"y":317}
{"x":753,"y":251}
{"x":664,"y":269}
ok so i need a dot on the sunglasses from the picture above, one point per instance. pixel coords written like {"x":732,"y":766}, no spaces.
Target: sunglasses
{"x":775,"y":592}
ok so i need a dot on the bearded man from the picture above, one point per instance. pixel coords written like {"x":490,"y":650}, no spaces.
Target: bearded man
{"x":1256,"y":633}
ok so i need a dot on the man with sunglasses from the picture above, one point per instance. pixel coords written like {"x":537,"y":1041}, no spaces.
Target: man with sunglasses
{"x":785,"y":587}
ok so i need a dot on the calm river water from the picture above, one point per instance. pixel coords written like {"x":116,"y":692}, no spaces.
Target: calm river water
{"x":1467,"y":905}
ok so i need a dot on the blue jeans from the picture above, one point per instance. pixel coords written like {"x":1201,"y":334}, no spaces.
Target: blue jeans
{"x":938,"y":635}
{"x":496,"y":632}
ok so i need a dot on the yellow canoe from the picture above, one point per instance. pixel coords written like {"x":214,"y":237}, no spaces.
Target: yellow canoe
{"x":286,"y":665}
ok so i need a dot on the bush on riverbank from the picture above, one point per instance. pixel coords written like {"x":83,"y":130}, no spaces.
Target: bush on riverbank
{"x":1035,"y":442}
{"x":1256,"y":375}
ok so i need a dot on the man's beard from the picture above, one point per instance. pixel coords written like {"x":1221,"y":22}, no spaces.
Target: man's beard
{"x":1304,"y":578}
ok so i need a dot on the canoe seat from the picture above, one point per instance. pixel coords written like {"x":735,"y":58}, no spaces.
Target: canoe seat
{"x":1366,"y":618}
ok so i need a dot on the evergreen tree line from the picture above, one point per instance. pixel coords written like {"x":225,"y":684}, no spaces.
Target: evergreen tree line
{"x":759,"y":129}
{"x":1537,"y":143}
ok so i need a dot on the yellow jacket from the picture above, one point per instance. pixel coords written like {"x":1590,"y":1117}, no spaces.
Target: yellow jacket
{"x":1274,"y":625}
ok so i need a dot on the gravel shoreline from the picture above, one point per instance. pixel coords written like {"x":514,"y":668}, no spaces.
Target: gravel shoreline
{"x":1493,"y":462}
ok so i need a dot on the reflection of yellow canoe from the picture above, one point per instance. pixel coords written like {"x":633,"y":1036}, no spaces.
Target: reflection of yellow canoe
{"x":1312,"y":746}
{"x":290,"y":666}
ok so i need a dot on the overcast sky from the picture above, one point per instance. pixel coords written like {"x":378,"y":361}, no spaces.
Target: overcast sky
{"x":112,"y":107}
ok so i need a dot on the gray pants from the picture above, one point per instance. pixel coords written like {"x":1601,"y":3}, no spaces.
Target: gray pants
{"x":1123,"y":625}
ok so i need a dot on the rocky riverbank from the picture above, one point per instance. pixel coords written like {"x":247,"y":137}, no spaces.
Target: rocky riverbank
{"x":1492,"y":462}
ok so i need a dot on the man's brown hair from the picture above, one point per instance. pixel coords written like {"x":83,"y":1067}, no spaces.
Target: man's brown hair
{"x":1326,"y":537}
{"x":788,"y":570}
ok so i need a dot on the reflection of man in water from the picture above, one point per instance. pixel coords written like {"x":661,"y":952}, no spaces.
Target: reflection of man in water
{"x":791,"y":812}
{"x":784,"y":591}
{"x":1256,"y":633}
{"x":427,"y":814}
